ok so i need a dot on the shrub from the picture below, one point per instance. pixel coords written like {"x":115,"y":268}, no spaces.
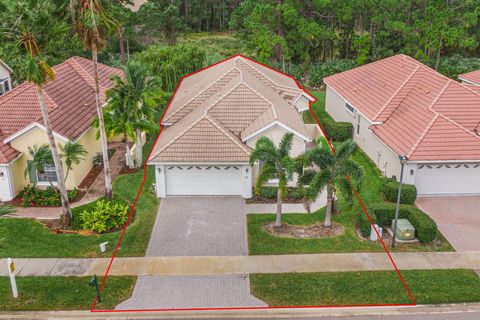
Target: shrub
{"x":390,"y":192}
{"x":103,"y":215}
{"x":337,"y":131}
{"x":98,"y":157}
{"x":49,"y":197}
{"x":365,"y":225}
{"x":425,"y":227}
{"x":268,"y":192}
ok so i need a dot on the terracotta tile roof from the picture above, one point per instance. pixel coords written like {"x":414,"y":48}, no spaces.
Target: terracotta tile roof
{"x":237,"y":97}
{"x":427,"y":117}
{"x":7,"y":153}
{"x":70,"y":100}
{"x":473,"y":77}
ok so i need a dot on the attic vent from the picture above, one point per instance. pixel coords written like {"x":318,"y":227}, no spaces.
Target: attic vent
{"x":355,"y":89}
{"x":427,"y":91}
{"x":85,"y":105}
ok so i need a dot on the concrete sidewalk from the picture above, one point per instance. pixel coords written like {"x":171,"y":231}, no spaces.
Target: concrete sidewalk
{"x":244,"y":265}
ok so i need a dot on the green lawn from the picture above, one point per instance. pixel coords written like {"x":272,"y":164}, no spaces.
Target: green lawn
{"x":358,"y":288}
{"x":260,"y":242}
{"x":62,"y":293}
{"x":318,"y":107}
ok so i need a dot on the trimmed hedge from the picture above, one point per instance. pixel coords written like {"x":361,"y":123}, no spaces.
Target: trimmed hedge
{"x":425,"y":227}
{"x":271,"y":193}
{"x":337,"y":131}
{"x":390,"y":192}
{"x":365,"y":225}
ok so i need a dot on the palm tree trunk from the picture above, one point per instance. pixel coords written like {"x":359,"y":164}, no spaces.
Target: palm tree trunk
{"x":103,"y":135}
{"x":121,"y":43}
{"x":328,"y":214}
{"x":66,"y":211}
{"x":138,"y":151}
{"x":128,"y":157}
{"x":278,"y":218}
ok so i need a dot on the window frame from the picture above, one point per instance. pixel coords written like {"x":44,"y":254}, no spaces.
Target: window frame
{"x":50,"y":168}
{"x":349,"y":107}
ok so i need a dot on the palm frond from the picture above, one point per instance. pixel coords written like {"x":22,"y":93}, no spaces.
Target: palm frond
{"x":285,"y":145}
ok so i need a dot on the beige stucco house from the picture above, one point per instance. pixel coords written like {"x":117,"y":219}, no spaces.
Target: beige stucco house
{"x":70,"y":100}
{"x":398,"y":106}
{"x":214,"y":120}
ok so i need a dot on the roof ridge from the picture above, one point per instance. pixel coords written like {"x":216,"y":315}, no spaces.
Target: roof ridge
{"x":458,"y":125}
{"x":207,"y":88}
{"x":263,"y":74}
{"x":440,"y":94}
{"x":262,"y":97}
{"x":396,"y":93}
{"x":214,"y":103}
{"x":16,"y":91}
{"x":422,"y":136}
{"x":82,"y":72}
{"x":178,"y":136}
{"x":226,"y":132}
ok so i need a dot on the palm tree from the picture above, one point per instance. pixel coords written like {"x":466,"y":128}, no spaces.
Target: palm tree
{"x":276,"y":163}
{"x":337,"y":171}
{"x":41,"y":156}
{"x":34,"y":32}
{"x":91,"y":22}
{"x":72,"y":153}
{"x":131,"y":104}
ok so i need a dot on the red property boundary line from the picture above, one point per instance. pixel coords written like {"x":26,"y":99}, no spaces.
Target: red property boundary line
{"x":102,"y":284}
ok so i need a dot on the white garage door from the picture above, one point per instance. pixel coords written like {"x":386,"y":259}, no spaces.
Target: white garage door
{"x":448,"y":179}
{"x":204,"y":180}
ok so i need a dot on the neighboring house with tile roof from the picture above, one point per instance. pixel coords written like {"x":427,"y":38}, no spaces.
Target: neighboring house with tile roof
{"x":470,"y":78}
{"x":5,"y":78}
{"x":399,"y":106}
{"x":70,"y":100}
{"x":214,"y":120}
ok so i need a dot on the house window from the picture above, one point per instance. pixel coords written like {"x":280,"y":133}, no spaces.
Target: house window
{"x":349,"y":107}
{"x":48,"y":175}
{"x":358,"y":124}
{"x":4,"y":86}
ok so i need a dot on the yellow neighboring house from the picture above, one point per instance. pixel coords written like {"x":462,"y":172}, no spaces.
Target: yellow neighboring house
{"x":70,"y":100}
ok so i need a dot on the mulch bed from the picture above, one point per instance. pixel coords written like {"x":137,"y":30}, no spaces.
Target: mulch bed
{"x":90,"y":178}
{"x":18,"y":201}
{"x":305,"y":232}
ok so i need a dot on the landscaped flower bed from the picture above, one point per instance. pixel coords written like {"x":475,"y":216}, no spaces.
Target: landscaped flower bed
{"x":32,"y":196}
{"x":269,"y":195}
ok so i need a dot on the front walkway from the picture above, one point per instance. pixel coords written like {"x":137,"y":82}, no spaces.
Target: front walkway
{"x":96,"y":191}
{"x":457,"y":217}
{"x":244,"y":265}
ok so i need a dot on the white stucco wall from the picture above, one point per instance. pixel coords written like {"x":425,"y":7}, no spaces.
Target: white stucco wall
{"x":385,"y":159}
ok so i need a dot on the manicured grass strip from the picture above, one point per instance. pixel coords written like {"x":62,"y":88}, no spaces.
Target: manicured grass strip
{"x":318,"y":107}
{"x":62,"y":293}
{"x":358,"y":288}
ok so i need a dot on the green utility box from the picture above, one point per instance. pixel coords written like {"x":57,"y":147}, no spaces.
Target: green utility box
{"x":405,"y":230}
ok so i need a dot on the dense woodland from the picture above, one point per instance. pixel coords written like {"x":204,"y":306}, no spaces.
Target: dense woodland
{"x":309,"y":38}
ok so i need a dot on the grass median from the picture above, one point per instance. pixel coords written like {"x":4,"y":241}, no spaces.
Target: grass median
{"x":62,"y":293}
{"x":361,"y":288}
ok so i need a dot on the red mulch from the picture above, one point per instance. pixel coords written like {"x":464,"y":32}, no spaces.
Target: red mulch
{"x":305,"y":232}
{"x":90,"y":177}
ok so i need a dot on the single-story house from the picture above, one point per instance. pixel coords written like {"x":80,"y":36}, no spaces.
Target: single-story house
{"x":70,"y":100}
{"x":5,"y":78}
{"x":398,"y":106}
{"x":214,"y":120}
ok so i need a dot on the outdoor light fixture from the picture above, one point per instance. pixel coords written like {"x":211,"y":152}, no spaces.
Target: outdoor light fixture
{"x":403,"y":159}
{"x":1,"y":174}
{"x":159,"y":170}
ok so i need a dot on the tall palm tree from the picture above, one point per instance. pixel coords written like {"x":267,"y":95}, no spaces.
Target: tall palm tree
{"x":131,"y":104}
{"x":337,"y":171}
{"x":276,"y":163}
{"x":91,"y":22}
{"x":33,"y":32}
{"x":72,"y":153}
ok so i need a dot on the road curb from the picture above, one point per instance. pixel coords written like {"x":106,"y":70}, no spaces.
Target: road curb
{"x":250,"y":314}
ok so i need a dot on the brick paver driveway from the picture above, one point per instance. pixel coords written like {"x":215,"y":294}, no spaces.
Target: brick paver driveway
{"x":199,"y":226}
{"x":457,"y":217}
{"x":196,"y":226}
